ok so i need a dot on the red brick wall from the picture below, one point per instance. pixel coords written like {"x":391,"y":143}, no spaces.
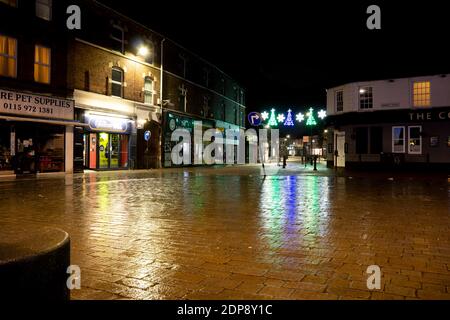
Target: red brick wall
{"x":98,"y":64}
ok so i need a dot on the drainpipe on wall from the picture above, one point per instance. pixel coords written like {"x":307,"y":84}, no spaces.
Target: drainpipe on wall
{"x":161,"y":102}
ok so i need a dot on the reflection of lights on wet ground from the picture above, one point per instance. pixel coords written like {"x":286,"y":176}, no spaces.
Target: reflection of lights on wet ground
{"x":293,"y":205}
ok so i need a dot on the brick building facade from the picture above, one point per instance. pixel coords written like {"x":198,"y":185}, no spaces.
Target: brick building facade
{"x":109,"y":73}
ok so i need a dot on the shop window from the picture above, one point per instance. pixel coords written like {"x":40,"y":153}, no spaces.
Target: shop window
{"x":205,"y":108}
{"x":117,"y":82}
{"x":148,"y":90}
{"x":8,"y":57}
{"x":398,"y":139}
{"x":12,"y":3}
{"x":118,"y":37}
{"x":376,"y":140}
{"x":42,"y":64}
{"x":44,"y":9}
{"x":365,"y":98}
{"x":422,"y":94}
{"x":415,"y":140}
{"x":362,"y":137}
{"x":339,"y":100}
{"x":5,"y":148}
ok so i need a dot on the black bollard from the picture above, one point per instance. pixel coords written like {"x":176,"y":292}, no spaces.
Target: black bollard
{"x":315,"y":163}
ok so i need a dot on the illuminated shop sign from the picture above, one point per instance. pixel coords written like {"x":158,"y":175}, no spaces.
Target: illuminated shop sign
{"x":30,"y":105}
{"x":105,"y":123}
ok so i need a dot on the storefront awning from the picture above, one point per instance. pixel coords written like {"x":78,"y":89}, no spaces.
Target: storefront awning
{"x":55,"y":122}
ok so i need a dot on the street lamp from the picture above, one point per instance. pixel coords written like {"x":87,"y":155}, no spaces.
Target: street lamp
{"x":312,"y":123}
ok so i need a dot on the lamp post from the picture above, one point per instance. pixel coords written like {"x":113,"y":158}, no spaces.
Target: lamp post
{"x":311,"y":123}
{"x":161,"y":77}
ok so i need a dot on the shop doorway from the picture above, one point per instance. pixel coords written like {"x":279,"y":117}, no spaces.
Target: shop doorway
{"x":6,"y":149}
{"x":106,"y":151}
{"x":340,"y":148}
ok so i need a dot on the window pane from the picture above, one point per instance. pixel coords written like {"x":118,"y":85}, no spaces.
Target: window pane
{"x":148,"y":98}
{"x":117,"y":75}
{"x":8,"y":58}
{"x":422,"y":94}
{"x":148,"y":86}
{"x":117,"y":33}
{"x":116,"y":90}
{"x":398,"y":133}
{"x":42,"y":69}
{"x":44,"y":9}
{"x":42,"y":55}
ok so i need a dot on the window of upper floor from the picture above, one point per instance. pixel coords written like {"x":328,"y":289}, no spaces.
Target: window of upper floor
{"x":422,"y":94}
{"x":148,"y":90}
{"x":206,"y":77}
{"x":8,"y":57}
{"x":339,"y":100}
{"x":118,"y":37}
{"x":12,"y":3}
{"x":44,"y":9}
{"x":42,"y":64}
{"x":117,"y":82}
{"x":365,"y":98}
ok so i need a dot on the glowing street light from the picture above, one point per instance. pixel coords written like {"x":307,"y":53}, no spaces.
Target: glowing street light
{"x":143,"y":51}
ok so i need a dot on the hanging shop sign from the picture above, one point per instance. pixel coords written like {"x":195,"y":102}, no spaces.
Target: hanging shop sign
{"x":31,"y":105}
{"x":147,"y":135}
{"x":109,"y":124}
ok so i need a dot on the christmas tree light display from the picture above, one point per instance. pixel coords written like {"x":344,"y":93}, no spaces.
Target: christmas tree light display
{"x":311,"y":117}
{"x":272,"y":121}
{"x":289,"y":122}
{"x":311,"y":120}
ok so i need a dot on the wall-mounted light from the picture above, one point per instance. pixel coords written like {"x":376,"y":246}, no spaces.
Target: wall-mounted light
{"x":143,"y":51}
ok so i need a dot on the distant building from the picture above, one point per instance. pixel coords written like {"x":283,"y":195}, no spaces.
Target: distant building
{"x":392,"y":123}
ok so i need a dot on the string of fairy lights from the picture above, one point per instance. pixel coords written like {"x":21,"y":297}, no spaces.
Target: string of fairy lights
{"x":274,"y":119}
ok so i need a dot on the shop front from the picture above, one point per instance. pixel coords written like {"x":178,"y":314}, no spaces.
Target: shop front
{"x":36,"y":133}
{"x":173,"y":121}
{"x":410,"y":139}
{"x":106,"y":142}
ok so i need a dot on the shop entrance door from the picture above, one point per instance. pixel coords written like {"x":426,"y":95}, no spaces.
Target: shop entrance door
{"x":114,"y":161}
{"x":340,"y":147}
{"x":103,"y":150}
{"x":112,"y":150}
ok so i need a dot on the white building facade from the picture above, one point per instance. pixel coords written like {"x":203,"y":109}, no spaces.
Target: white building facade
{"x":393,"y":123}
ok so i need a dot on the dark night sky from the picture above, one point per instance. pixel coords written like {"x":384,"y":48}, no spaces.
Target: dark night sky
{"x":286,"y":53}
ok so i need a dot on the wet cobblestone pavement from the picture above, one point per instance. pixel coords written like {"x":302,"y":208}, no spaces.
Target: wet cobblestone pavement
{"x":228,"y":233}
